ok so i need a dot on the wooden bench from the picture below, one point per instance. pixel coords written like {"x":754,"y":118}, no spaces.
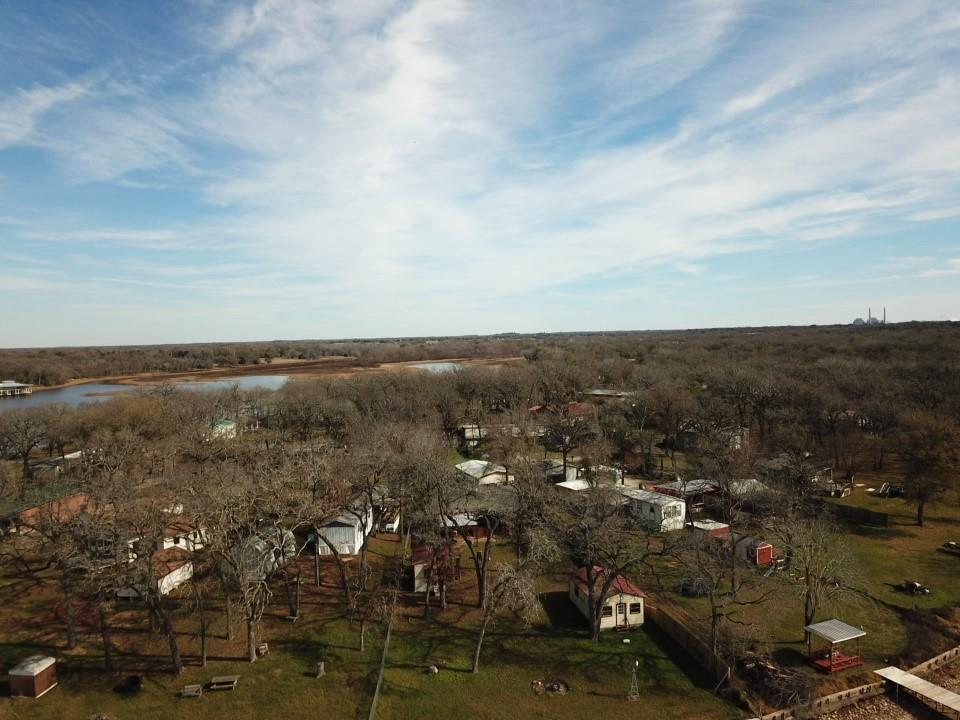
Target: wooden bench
{"x":191,"y":691}
{"x":223,"y":682}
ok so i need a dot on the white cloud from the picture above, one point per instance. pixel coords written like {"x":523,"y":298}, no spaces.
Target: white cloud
{"x":21,"y":110}
{"x":950,"y":267}
{"x":404,"y":155}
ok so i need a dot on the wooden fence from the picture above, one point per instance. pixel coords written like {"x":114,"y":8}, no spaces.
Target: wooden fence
{"x":692,"y":644}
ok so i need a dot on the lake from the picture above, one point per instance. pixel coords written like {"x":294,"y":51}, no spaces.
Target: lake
{"x":438,"y":367}
{"x":100,"y":392}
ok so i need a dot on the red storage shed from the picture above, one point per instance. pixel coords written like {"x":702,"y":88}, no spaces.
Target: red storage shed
{"x":33,"y":677}
{"x":754,"y":551}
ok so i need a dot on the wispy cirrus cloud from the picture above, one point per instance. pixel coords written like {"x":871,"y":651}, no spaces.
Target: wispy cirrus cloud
{"x":949,"y":268}
{"x":400,"y":153}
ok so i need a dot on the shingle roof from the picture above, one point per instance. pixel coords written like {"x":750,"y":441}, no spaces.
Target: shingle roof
{"x":619,"y":585}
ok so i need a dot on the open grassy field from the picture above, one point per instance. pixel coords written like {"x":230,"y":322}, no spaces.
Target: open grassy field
{"x":281,"y":684}
{"x":899,"y":626}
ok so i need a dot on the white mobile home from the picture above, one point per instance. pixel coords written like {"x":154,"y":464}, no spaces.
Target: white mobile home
{"x":660,"y":512}
{"x":485,"y":473}
{"x":346,"y":532}
{"x":623,"y":606}
{"x":171,"y":569}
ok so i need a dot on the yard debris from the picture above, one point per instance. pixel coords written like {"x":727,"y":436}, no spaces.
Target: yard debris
{"x":913,"y":587}
{"x":432,"y":670}
{"x":550,"y":687}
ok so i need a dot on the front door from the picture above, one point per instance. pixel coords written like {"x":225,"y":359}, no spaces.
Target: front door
{"x":622,"y":615}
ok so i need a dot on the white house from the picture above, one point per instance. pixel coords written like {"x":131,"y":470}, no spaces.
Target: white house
{"x":346,"y":531}
{"x":554,"y":471}
{"x":623,"y":606}
{"x":660,"y":512}
{"x":171,"y":568}
{"x":427,"y":564}
{"x":223,"y":428}
{"x":485,"y":473}
{"x":179,"y":533}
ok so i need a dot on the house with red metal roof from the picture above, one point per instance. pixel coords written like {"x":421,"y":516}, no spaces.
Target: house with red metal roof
{"x":623,"y":605}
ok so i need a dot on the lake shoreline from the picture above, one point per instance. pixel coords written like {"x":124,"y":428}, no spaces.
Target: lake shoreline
{"x":305,"y":370}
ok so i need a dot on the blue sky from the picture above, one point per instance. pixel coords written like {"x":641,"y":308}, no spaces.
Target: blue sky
{"x":201,"y":171}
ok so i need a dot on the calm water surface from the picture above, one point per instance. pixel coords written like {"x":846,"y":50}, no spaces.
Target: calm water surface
{"x":101,"y":392}
{"x":438,"y":367}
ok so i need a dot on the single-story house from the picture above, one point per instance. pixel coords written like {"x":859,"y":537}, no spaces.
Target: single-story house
{"x":224,"y":428}
{"x":693,"y":491}
{"x":424,"y":561}
{"x":660,"y":512}
{"x":471,"y":435}
{"x":182,"y":534}
{"x":171,"y":568}
{"x":623,"y":606}
{"x":346,"y":531}
{"x":485,"y":473}
{"x":49,"y":503}
{"x":578,"y":485}
{"x":554,"y":473}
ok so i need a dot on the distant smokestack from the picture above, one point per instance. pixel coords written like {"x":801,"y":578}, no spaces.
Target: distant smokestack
{"x":869,"y":313}
{"x":884,"y":314}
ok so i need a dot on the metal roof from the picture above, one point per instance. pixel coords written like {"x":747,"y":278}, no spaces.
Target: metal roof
{"x":576,"y":485}
{"x":649,"y":497}
{"x":480,"y":468}
{"x":32,"y":666}
{"x":835,"y":631}
{"x":927,"y":690}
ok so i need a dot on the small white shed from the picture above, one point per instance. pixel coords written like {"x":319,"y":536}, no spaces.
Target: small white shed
{"x":622,"y":607}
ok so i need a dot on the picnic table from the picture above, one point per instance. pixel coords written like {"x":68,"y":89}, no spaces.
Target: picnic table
{"x":223,"y":682}
{"x":191,"y":691}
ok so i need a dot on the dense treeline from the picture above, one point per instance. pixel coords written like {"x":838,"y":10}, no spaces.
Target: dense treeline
{"x":775,"y":404}
{"x":53,"y":366}
{"x":877,"y":345}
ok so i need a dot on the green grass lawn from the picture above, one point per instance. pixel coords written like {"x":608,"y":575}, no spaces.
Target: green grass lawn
{"x":281,"y":684}
{"x":887,"y":556}
{"x":598,"y":673}
{"x":882,"y":558}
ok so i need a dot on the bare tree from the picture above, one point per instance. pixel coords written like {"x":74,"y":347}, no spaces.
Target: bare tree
{"x":592,"y":531}
{"x":817,"y":561}
{"x":23,"y":431}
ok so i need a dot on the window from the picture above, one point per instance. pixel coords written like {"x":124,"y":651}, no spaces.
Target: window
{"x":621,"y":608}
{"x":636,"y":608}
{"x":607,"y":611}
